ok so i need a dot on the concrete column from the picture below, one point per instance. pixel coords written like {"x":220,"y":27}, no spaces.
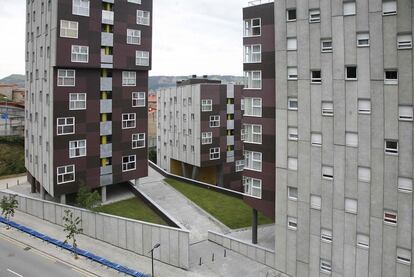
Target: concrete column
{"x":195,"y":173}
{"x":42,"y":193}
{"x":103,"y":194}
{"x":254,"y":227}
{"x":63,"y":199}
{"x":183,"y":170}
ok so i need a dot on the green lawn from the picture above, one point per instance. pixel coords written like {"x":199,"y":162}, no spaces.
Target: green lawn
{"x":231,"y":211}
{"x":11,"y":156}
{"x":133,"y":208}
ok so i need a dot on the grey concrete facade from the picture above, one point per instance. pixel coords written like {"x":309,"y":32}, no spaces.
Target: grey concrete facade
{"x":352,"y":213}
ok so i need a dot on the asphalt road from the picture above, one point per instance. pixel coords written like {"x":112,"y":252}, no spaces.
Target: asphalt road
{"x":18,"y":261}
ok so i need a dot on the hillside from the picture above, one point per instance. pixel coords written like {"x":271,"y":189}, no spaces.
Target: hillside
{"x":16,"y":79}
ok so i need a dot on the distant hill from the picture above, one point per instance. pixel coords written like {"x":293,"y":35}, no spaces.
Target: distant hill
{"x":155,"y":82}
{"x":14,"y":79}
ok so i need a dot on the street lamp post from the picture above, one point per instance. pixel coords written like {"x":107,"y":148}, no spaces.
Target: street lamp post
{"x":152,"y":257}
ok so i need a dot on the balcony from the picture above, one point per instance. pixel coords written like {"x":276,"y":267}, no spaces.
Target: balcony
{"x":230,"y":140}
{"x":106,"y":150}
{"x":107,"y":58}
{"x":108,"y":17}
{"x":230,"y":156}
{"x":107,"y":180}
{"x":106,"y":128}
{"x":230,"y":91}
{"x":230,"y":124}
{"x":105,"y":170}
{"x":258,"y":2}
{"x":109,"y":1}
{"x":106,"y":84}
{"x":230,"y":108}
{"x":106,"y":106}
{"x":107,"y":39}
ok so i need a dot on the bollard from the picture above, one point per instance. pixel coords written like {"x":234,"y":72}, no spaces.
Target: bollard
{"x":212,"y":258}
{"x":225,"y":253}
{"x":200,"y":261}
{"x":7,"y":185}
{"x":18,"y":183}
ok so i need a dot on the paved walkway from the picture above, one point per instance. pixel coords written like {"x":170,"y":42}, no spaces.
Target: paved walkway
{"x":195,"y":220}
{"x":12,"y":181}
{"x":265,"y":235}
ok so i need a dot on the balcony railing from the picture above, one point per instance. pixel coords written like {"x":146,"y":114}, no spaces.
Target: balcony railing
{"x":107,"y":39}
{"x":106,"y":84}
{"x":258,"y":2}
{"x":106,"y":106}
{"x":106,"y":128}
{"x":108,"y":17}
{"x":106,"y":150}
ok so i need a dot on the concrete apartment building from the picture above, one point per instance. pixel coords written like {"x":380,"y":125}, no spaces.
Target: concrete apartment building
{"x":197,"y":131}
{"x":87,"y":68}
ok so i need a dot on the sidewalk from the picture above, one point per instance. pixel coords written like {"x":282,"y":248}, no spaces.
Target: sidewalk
{"x":12,"y":181}
{"x":265,"y":235}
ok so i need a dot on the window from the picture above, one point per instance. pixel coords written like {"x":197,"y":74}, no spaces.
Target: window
{"x":351,"y":73}
{"x":327,"y":172}
{"x":325,"y":266}
{"x":403,"y":256}
{"x":364,"y":174}
{"x":391,"y":77}
{"x":129,"y":163}
{"x":293,"y":104}
{"x":80,"y":54}
{"x":206,"y":138}
{"x":68,"y":29}
{"x":405,"y":184}
{"x":351,"y":206}
{"x":253,"y":107}
{"x":134,"y":1}
{"x":80,"y":7}
{"x":314,"y":16}
{"x":214,"y":121}
{"x":327,"y":109}
{"x":404,"y":42}
{"x":364,"y":106}
{"x":293,"y":133}
{"x":253,"y":79}
{"x":293,"y":193}
{"x":253,"y":160}
{"x":349,"y":8}
{"x":65,"y":174}
{"x":143,"y":18}
{"x":215,"y":153}
{"x":326,"y":45}
{"x":66,"y":78}
{"x":252,"y":186}
{"x":363,"y":40}
{"x":142,"y":58}
{"x":292,"y":44}
{"x":292,"y":223}
{"x":316,"y":202}
{"x":405,"y":113}
{"x":77,"y":148}
{"x":253,"y":133}
{"x":65,"y":126}
{"x":291,"y":15}
{"x":362,"y":241}
{"x":252,"y":27}
{"x":293,"y":164}
{"x":138,"y":99}
{"x":351,"y":139}
{"x":129,"y":78}
{"x":133,"y":36}
{"x":77,"y":101}
{"x":390,"y":217}
{"x":316,"y":77}
{"x":253,"y":53}
{"x":206,"y":105}
{"x":391,"y":147}
{"x":239,"y":165}
{"x":326,"y":236}
{"x":292,"y":73}
{"x":138,"y":141}
{"x":389,"y":7}
{"x":316,"y":139}
{"x":128,"y":120}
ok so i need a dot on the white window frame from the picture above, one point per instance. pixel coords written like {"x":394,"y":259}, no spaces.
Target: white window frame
{"x":206,"y":105}
{"x":363,"y":40}
{"x":132,"y":159}
{"x":69,"y":31}
{"x":364,"y":106}
{"x":80,"y":54}
{"x":293,"y":163}
{"x":314,"y":16}
{"x":391,"y":151}
{"x":325,"y":266}
{"x":248,"y":27}
{"x":326,"y":236}
{"x":239,"y":165}
{"x":77,"y":101}
{"x":253,"y":53}
{"x":60,"y":127}
{"x":351,"y":139}
{"x":351,"y":206}
{"x":291,"y":195}
{"x":389,"y":7}
{"x":316,"y":202}
{"x":405,"y":185}
{"x":64,"y":78}
{"x":134,"y":36}
{"x":249,"y":106}
{"x":142,"y":58}
{"x":81,"y":7}
{"x":143,"y":18}
{"x":292,"y":223}
{"x":362,"y":241}
{"x":346,"y":73}
{"x":326,"y":49}
{"x":292,"y":44}
{"x":315,"y":80}
{"x":138,"y":99}
{"x":327,"y":109}
{"x":214,"y":121}
{"x":316,"y":139}
{"x":327,"y":172}
{"x":253,"y":79}
{"x":390,"y":81}
{"x":138,"y":141}
{"x":214,"y":153}
{"x":253,"y":133}
{"x":393,"y":220}
{"x":127,"y":119}
{"x":67,"y":170}
{"x":290,"y":101}
{"x":77,"y":148}
{"x":364,"y":174}
{"x":405,"y":113}
{"x":403,"y":256}
{"x":292,"y":73}
{"x":253,"y":161}
{"x":287,"y":15}
{"x":129,"y":78}
{"x":349,"y":8}
{"x":252,"y":187}
{"x":206,"y":138}
{"x":293,"y":134}
{"x":404,"y":41}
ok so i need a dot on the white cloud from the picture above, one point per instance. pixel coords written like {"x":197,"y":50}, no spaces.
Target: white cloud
{"x":189,"y":37}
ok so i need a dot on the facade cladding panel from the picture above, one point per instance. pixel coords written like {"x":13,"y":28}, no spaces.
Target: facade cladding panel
{"x":265,"y":12}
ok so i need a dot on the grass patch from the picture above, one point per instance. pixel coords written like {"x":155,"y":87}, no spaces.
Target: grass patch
{"x":134,"y":209}
{"x":11,"y":156}
{"x":232,"y":212}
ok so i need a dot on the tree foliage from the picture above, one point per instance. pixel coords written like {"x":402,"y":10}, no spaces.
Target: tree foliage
{"x":88,"y":199}
{"x":72,"y":229}
{"x":8,"y":206}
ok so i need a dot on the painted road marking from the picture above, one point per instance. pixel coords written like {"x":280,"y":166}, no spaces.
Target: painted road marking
{"x":12,"y":272}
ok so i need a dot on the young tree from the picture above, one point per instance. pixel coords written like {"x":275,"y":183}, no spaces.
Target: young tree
{"x":87,"y":199}
{"x":8,"y":206}
{"x":72,"y":227}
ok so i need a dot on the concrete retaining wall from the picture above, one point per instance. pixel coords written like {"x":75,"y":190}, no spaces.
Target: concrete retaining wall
{"x":136,"y":236}
{"x":254,"y":252}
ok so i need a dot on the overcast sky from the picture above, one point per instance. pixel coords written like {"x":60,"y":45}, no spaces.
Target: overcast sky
{"x":190,"y":37}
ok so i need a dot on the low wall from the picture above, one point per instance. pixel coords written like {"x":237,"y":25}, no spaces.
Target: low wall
{"x":136,"y":236}
{"x":254,"y":252}
{"x":166,"y":174}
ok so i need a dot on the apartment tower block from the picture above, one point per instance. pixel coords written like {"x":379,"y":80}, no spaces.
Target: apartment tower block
{"x":87,"y":68}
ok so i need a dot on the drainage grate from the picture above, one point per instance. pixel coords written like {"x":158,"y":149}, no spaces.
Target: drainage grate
{"x":27,"y":248}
